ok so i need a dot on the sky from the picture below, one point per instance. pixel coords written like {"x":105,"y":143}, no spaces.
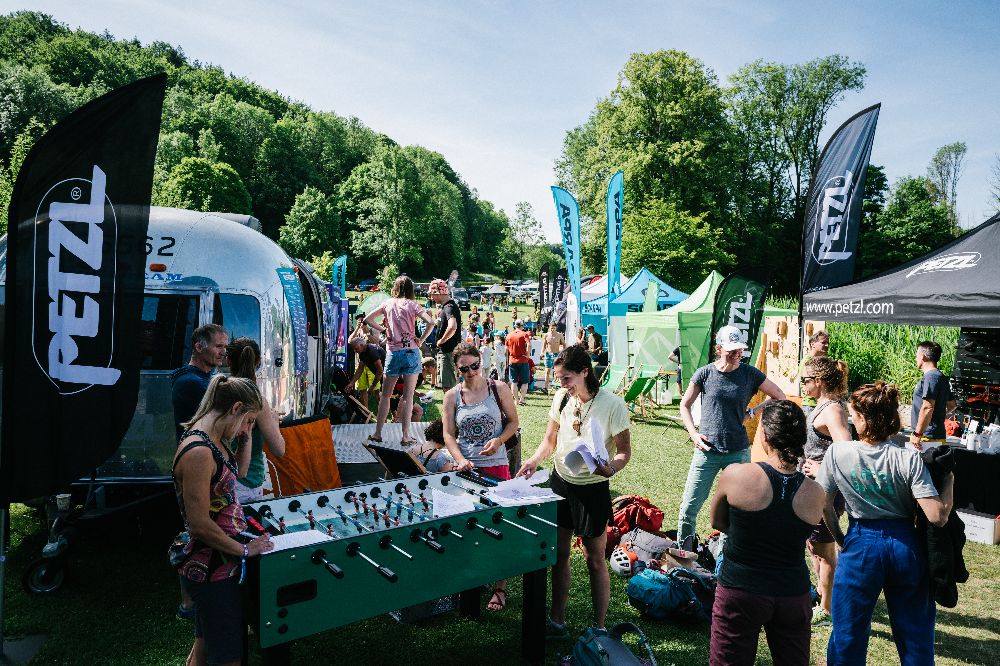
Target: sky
{"x":494,"y":86}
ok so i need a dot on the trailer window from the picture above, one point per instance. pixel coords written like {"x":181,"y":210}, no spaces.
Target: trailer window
{"x":167,"y":323}
{"x":239,"y":313}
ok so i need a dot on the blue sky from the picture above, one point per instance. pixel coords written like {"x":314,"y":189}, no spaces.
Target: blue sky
{"x":494,"y":85}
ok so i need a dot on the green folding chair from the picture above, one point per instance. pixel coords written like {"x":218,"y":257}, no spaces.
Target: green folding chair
{"x":636,"y":393}
{"x":613,"y":378}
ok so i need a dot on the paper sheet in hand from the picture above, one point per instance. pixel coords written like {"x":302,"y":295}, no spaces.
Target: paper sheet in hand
{"x":539,"y":477}
{"x":587,"y":455}
{"x":446,"y":504}
{"x":519,"y":491}
{"x":296,"y":539}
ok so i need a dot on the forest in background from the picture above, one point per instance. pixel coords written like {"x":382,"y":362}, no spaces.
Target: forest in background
{"x":716,"y":174}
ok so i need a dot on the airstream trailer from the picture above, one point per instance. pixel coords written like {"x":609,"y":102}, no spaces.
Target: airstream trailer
{"x":217,"y":268}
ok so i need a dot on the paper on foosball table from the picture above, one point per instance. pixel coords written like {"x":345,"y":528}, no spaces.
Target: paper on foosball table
{"x":516,"y":492}
{"x":297,"y":539}
{"x":446,"y":504}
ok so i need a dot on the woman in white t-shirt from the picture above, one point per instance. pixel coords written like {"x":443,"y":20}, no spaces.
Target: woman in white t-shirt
{"x":500,"y":355}
{"x":586,"y":505}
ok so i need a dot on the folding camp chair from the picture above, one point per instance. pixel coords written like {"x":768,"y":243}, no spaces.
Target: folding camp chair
{"x":636,"y":392}
{"x":613,"y":378}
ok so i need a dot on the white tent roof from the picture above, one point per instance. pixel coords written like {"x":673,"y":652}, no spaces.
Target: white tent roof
{"x":599,"y":287}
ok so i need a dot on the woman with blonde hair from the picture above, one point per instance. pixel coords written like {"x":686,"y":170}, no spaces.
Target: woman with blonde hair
{"x":882,"y":484}
{"x":244,"y":361}
{"x":403,"y":358}
{"x":825,"y":381}
{"x":212,"y":559}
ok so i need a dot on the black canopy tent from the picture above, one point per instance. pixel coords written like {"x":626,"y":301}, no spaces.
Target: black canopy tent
{"x":955,"y":285}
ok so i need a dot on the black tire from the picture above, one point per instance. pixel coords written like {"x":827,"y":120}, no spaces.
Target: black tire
{"x":44,"y":576}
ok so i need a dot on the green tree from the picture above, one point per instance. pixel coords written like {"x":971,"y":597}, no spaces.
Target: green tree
{"x":312,"y":226}
{"x":536,"y":255}
{"x":27,"y":95}
{"x":914,"y":222}
{"x":199,"y":184}
{"x":9,"y":171}
{"x":172,"y":148}
{"x":525,"y":230}
{"x":944,"y":172}
{"x":678,"y":247}
{"x":280,"y":172}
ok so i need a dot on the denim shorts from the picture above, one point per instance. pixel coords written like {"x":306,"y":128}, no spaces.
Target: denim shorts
{"x":520,"y":373}
{"x":402,"y":362}
{"x":550,"y":359}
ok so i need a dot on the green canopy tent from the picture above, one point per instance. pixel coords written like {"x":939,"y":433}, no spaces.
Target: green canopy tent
{"x":653,"y":335}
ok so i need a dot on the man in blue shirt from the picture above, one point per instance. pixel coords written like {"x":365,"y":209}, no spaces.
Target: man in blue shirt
{"x":932,"y":398}
{"x":189,"y":383}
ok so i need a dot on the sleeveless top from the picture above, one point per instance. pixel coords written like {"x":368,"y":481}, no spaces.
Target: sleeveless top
{"x":202,"y":563}
{"x":476,"y":425}
{"x":765,"y":549}
{"x":255,"y":472}
{"x":816,"y":442}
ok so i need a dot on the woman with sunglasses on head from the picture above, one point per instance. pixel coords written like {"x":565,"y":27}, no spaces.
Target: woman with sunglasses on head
{"x":212,"y":562}
{"x":726,"y":387}
{"x":882,"y":552}
{"x":473,"y":414}
{"x":586,"y":508}
{"x":244,"y":361}
{"x":825,"y":381}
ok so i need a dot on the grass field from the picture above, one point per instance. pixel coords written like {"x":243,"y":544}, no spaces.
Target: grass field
{"x":117,"y":606}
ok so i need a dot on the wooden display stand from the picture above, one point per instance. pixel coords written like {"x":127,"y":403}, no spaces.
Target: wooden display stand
{"x":779,"y":360}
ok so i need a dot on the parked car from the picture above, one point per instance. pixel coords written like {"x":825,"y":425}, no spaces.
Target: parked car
{"x":461,"y":296}
{"x":366,"y":285}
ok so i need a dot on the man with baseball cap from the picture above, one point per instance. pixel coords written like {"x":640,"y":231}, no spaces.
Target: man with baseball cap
{"x":449,"y":323}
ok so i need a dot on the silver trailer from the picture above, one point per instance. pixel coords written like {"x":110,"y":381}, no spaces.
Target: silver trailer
{"x":202,"y":268}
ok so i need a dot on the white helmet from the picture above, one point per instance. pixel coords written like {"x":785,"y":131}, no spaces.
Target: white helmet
{"x":623,"y":561}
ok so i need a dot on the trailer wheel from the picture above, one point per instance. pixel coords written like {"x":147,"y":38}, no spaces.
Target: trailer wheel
{"x":44,"y":576}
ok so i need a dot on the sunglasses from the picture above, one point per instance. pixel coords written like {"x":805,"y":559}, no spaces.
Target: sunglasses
{"x":808,"y":379}
{"x":577,"y":419}
{"x":466,"y":368}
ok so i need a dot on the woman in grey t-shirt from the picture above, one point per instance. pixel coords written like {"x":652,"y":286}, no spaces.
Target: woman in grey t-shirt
{"x":882,"y":484}
{"x":726,"y":388}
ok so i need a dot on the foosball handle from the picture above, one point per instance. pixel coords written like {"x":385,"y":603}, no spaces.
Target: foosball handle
{"x":435,"y":546}
{"x":496,"y":534}
{"x":319,"y":557}
{"x":388,"y":574}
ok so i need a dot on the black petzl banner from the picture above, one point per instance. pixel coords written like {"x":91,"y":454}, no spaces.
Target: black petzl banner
{"x":557,"y":313}
{"x":543,"y":294}
{"x":75,"y":271}
{"x":739,"y":302}
{"x":833,"y":211}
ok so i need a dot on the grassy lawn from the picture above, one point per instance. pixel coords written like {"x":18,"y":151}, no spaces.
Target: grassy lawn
{"x":117,"y":606}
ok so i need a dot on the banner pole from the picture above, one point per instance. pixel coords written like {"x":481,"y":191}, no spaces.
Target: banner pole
{"x":4,"y":518}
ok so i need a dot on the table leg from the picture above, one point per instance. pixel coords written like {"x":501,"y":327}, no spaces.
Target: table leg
{"x":533,"y":616}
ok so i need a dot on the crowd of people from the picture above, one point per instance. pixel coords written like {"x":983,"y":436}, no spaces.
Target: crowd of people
{"x":772,"y":512}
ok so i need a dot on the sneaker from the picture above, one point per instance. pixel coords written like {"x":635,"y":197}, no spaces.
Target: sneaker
{"x":554,"y":629}
{"x":821,"y":618}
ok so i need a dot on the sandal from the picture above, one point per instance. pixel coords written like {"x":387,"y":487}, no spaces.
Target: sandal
{"x":498,"y":601}
{"x":373,"y":438}
{"x":407,"y":442}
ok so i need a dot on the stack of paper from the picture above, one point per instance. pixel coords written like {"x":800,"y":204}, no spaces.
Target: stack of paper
{"x":521,"y":491}
{"x":587,"y":455}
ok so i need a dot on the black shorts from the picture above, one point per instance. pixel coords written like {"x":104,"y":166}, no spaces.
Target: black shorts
{"x":219,"y":618}
{"x":585,"y":509}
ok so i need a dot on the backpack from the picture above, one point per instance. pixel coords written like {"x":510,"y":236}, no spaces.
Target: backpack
{"x":679,"y":595}
{"x":632,"y":511}
{"x":604,"y":647}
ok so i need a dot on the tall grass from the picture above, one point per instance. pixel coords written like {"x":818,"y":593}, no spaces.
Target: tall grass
{"x":885,"y":351}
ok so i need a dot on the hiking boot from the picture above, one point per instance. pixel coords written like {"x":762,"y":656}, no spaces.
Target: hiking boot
{"x":821,"y":618}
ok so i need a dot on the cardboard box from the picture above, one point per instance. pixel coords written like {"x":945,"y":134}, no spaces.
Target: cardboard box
{"x":980,"y":527}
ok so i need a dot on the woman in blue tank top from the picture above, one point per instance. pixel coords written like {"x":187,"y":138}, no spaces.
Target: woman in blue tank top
{"x":767,"y":510}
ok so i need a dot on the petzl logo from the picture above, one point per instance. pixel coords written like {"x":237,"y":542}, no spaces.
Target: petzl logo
{"x":74,"y":285}
{"x":740,"y":314}
{"x":831,"y":220}
{"x":948,"y":262}
{"x":567,"y":232}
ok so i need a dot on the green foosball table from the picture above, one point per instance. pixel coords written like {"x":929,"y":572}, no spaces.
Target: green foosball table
{"x":352,"y":553}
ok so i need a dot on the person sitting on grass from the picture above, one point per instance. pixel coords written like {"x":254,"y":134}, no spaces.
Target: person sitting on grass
{"x":433,"y":454}
{"x":767,"y":510}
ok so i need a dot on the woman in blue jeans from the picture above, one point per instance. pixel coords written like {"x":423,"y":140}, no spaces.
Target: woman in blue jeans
{"x":882,"y":485}
{"x":726,"y":387}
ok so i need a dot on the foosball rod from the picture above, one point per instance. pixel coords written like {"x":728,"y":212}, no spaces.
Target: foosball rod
{"x":498,"y":518}
{"x":409,"y":509}
{"x":476,"y":493}
{"x":522,"y":512}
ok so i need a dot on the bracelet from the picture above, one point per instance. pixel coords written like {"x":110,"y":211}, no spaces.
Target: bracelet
{"x":246,"y":550}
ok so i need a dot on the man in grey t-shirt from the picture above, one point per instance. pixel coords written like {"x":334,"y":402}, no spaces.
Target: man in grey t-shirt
{"x":932,"y":398}
{"x":878,"y":481}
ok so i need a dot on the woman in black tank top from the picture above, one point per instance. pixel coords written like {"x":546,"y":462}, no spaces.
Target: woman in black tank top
{"x":767,"y":510}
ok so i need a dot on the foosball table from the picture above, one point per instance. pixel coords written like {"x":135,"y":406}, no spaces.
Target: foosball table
{"x":356,"y":552}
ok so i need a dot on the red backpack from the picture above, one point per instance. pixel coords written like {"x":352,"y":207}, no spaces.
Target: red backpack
{"x":628,"y":513}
